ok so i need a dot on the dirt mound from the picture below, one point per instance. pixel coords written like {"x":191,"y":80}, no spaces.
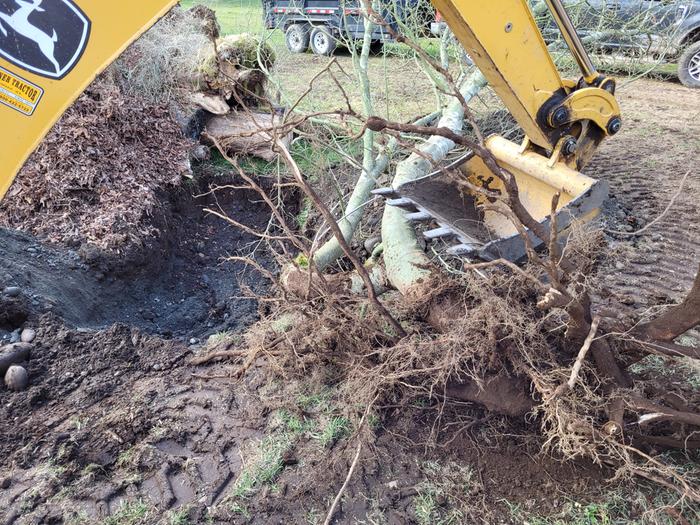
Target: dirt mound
{"x":177,"y":285}
{"x":95,"y":177}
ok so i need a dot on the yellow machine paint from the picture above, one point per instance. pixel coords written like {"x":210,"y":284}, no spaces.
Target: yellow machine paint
{"x":564,"y":122}
{"x":49,"y":52}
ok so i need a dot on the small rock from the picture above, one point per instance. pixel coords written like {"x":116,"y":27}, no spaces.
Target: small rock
{"x":12,"y":291}
{"x":15,"y":336}
{"x":27,"y":335}
{"x":194,"y":341}
{"x":200,"y":153}
{"x":156,"y":367}
{"x":656,"y":237}
{"x":628,"y":300}
{"x":620,"y":265}
{"x":16,"y":378}
{"x":5,"y":483}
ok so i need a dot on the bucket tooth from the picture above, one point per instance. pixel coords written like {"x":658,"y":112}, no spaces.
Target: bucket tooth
{"x":387,"y":192}
{"x":462,"y":250}
{"x":402,"y":202}
{"x":439,"y":233}
{"x":418,"y":216}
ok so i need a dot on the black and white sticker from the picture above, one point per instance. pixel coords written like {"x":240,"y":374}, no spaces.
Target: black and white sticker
{"x":46,"y":37}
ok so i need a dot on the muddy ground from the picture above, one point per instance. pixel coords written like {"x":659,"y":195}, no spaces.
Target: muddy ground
{"x":179,"y":285}
{"x":117,"y":428}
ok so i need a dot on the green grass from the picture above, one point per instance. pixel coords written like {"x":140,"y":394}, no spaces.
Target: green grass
{"x":264,"y":469}
{"x":179,"y":516}
{"x":685,"y":370}
{"x":444,"y":495}
{"x":267,"y":460}
{"x":219,"y":337}
{"x":618,"y":507}
{"x":125,"y":459}
{"x":130,"y":513}
{"x":316,"y":401}
{"x":336,"y":428}
{"x":235,"y":16}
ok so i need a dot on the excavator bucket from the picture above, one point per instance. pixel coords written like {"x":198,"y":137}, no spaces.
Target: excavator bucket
{"x":487,"y":234}
{"x":564,"y":121}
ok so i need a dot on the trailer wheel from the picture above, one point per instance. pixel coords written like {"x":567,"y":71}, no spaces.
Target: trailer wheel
{"x":322,"y":41}
{"x":297,"y":38}
{"x":377,"y":47}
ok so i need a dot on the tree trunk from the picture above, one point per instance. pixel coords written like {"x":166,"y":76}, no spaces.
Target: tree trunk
{"x":404,"y":258}
{"x":676,"y":320}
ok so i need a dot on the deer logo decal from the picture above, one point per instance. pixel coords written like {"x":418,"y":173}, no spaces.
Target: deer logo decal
{"x":46,"y":37}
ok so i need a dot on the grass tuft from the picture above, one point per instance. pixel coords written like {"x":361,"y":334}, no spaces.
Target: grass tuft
{"x":130,"y":513}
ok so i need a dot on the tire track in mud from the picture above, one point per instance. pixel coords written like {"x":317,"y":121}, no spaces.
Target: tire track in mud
{"x":154,"y":435}
{"x":644,"y":165}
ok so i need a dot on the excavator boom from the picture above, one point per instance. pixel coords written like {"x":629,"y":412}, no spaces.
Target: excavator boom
{"x":50,"y":50}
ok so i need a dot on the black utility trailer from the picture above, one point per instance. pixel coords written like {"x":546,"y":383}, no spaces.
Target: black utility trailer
{"x":324,"y":24}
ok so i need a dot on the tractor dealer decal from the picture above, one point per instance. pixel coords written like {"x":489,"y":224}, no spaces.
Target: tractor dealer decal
{"x":45,"y":37}
{"x":18,"y":93}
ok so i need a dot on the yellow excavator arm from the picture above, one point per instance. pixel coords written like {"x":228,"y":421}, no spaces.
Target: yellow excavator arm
{"x":505,"y":43}
{"x":50,"y":51}
{"x":564,"y":121}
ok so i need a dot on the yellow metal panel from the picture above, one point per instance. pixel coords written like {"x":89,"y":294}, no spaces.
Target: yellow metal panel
{"x":40,"y":77}
{"x":503,"y":40}
{"x":537,"y":182}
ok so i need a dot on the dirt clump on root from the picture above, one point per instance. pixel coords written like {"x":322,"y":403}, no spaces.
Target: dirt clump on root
{"x":95,"y":178}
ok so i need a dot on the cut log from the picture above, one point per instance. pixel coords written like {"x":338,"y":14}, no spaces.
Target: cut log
{"x":214,"y":104}
{"x":243,"y":133}
{"x":406,"y":263}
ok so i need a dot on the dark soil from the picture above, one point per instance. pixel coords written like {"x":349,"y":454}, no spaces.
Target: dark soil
{"x":118,"y":415}
{"x":115,"y":413}
{"x":644,"y":164}
{"x":177,"y":286}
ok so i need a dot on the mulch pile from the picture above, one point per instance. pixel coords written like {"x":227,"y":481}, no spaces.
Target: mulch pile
{"x":95,"y":177}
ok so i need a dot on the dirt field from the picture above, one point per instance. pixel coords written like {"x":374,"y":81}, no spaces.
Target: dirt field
{"x":118,"y":428}
{"x":659,"y":145}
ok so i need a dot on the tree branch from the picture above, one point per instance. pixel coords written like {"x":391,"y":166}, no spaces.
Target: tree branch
{"x":676,"y":320}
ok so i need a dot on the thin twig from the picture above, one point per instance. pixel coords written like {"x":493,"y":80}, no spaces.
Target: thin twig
{"x":353,"y":466}
{"x":576,"y":369}
{"x":661,"y":215}
{"x":330,"y":220}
